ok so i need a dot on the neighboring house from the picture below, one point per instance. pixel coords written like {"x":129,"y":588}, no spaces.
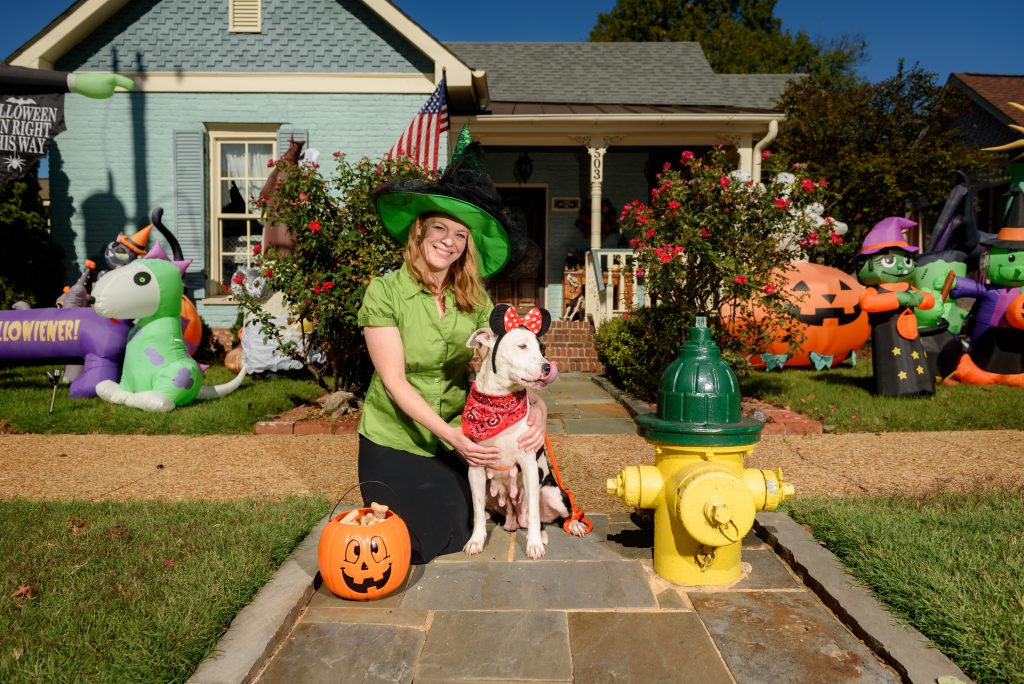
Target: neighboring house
{"x":987,"y":123}
{"x":223,"y":84}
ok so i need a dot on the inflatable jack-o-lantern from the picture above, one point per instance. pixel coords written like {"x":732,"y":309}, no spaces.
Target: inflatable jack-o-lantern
{"x":364,"y":562}
{"x":826,"y":302}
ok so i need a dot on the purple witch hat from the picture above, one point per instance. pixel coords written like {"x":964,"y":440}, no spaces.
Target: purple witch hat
{"x":888,"y":233}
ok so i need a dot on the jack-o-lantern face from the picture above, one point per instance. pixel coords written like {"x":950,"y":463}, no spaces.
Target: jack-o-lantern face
{"x":364,"y":562}
{"x":366,"y":565}
{"x":810,"y":312}
{"x":826,"y":303}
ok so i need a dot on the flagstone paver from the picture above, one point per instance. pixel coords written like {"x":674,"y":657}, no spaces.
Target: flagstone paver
{"x":780,"y":636}
{"x":334,"y":652}
{"x":500,"y":645}
{"x":643,"y":647}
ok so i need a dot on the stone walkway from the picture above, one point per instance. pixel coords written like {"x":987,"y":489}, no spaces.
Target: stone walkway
{"x":592,"y":610}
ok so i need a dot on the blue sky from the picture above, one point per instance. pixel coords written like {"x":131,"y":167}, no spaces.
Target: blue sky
{"x":943,"y":36}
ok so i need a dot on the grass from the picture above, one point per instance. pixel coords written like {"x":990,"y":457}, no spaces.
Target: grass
{"x":841,"y":397}
{"x":25,"y":403}
{"x":133,"y":592}
{"x":951,"y":565}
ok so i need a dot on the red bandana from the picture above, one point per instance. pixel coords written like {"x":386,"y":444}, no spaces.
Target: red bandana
{"x":485,"y":416}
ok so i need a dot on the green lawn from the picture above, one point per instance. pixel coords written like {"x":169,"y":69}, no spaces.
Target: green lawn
{"x":951,"y":565}
{"x":133,"y":592}
{"x":841,"y":397}
{"x":25,"y":403}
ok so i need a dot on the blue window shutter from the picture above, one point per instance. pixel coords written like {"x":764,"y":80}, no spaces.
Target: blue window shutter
{"x":285,"y":135}
{"x":190,"y":226}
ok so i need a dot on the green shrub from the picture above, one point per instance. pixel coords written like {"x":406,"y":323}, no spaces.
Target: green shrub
{"x":34,"y":271}
{"x":636,"y":349}
{"x":710,"y":243}
{"x":340,"y":245}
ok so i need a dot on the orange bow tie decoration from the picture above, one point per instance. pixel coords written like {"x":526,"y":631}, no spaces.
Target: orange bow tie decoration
{"x":532,"y":321}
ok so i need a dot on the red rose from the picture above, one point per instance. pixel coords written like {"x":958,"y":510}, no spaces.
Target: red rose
{"x":314,"y":225}
{"x":740,"y":280}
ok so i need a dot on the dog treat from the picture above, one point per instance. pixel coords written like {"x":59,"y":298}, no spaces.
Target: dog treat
{"x":351,"y":518}
{"x":380,"y":511}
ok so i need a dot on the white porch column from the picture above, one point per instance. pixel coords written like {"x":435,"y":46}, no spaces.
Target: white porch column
{"x":744,"y":145}
{"x":597,"y":149}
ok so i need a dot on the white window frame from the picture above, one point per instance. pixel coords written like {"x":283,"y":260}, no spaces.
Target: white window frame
{"x":219,"y":135}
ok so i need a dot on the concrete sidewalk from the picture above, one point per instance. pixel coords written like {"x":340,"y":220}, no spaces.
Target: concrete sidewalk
{"x":592,"y":610}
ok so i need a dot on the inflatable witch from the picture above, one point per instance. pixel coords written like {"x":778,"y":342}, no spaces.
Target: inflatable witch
{"x":886,"y":265}
{"x":996,"y":354}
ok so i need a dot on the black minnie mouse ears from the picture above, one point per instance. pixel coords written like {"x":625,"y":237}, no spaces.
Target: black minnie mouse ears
{"x":505,"y":319}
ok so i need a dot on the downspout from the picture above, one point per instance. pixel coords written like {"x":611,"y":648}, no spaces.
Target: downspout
{"x":773,"y":131}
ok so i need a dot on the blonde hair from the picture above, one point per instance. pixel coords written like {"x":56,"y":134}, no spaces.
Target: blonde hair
{"x":463,"y":276}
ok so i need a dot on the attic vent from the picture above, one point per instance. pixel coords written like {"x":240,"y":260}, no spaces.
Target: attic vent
{"x":244,"y":16}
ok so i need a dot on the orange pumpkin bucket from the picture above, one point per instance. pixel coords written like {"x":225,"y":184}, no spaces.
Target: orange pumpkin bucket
{"x":363,"y":562}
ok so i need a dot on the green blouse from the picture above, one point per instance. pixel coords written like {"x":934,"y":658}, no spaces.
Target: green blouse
{"x":436,"y":359}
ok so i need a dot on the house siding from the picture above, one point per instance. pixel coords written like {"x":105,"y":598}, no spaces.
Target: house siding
{"x":115,"y":163}
{"x":337,"y":36}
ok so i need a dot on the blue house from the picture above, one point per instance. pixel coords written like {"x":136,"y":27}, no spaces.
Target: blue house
{"x":222,"y":85}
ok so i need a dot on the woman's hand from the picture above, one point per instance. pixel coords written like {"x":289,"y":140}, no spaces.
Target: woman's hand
{"x":537,"y":426}
{"x":472,"y":453}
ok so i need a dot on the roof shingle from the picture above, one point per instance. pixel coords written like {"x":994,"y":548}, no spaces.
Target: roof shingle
{"x":655,"y":73}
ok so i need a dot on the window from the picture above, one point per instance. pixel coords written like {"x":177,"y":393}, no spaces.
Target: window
{"x":239,"y":167}
{"x":244,"y":16}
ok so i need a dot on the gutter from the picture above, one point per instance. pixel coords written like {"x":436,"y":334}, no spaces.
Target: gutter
{"x":773,"y":131}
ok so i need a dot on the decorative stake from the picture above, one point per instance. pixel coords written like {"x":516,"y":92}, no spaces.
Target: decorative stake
{"x":54,"y":378}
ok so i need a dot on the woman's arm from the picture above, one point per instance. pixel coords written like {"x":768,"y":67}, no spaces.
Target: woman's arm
{"x":388,"y":358}
{"x":537,"y":422}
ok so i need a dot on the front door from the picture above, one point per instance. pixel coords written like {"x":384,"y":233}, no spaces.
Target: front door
{"x":520,"y":283}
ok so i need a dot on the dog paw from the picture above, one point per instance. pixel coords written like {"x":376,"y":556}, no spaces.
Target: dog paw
{"x":577,"y":528}
{"x":473,"y":546}
{"x":535,"y":549}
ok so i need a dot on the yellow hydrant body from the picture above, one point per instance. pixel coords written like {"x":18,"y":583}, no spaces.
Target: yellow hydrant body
{"x":703,"y":497}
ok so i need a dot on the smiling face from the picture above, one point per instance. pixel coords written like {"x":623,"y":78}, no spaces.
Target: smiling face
{"x":1006,"y":266}
{"x":444,"y":240}
{"x":890,"y":266}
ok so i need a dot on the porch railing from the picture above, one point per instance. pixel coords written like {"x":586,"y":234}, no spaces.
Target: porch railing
{"x":612,"y":287}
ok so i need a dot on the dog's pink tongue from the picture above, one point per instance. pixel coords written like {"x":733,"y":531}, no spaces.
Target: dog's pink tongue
{"x":552,"y":374}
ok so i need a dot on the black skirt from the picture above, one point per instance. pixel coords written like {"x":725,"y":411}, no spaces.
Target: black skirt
{"x":431,"y":495}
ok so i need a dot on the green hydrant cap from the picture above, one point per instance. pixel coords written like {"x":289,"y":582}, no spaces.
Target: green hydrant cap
{"x":699,"y":399}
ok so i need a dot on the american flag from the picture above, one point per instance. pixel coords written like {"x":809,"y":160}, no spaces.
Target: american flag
{"x":423,"y":136}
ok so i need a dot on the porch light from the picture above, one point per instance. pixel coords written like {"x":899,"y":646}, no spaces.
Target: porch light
{"x":522,"y":169}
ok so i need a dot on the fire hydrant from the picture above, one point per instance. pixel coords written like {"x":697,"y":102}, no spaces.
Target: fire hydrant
{"x":704,"y":500}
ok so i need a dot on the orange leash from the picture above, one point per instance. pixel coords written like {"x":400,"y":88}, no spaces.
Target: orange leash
{"x":577,"y":512}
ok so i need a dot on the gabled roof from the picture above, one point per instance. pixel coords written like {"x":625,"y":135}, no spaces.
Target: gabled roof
{"x":650,"y":73}
{"x":86,"y":17}
{"x":993,"y":91}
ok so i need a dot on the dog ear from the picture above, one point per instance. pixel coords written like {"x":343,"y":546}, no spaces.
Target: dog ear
{"x":497,"y":320}
{"x":545,"y":321}
{"x":481,"y":339}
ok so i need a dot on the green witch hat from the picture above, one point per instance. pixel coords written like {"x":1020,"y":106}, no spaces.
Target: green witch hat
{"x":462,"y":191}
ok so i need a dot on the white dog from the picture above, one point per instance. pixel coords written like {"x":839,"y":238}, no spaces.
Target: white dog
{"x":519,"y":484}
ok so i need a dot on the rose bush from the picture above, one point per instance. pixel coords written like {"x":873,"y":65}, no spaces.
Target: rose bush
{"x":709,"y":241}
{"x":340,"y":245}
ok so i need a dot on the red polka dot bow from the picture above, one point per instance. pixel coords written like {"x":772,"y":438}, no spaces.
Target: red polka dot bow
{"x":532,"y":321}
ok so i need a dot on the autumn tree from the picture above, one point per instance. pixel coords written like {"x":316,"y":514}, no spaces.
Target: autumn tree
{"x":737,"y":36}
{"x":886,"y":148}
